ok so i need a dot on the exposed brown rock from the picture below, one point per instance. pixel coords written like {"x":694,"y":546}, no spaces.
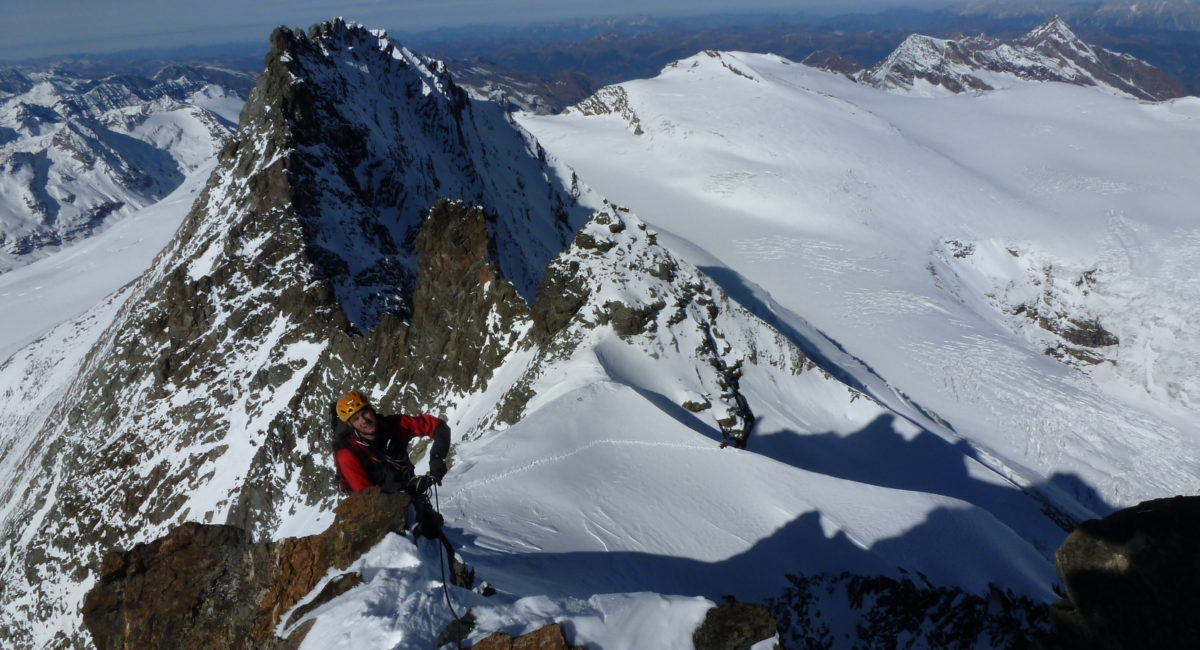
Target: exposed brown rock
{"x":210,"y":586}
{"x":1132,"y":580}
{"x":460,"y":295}
{"x":549,"y":637}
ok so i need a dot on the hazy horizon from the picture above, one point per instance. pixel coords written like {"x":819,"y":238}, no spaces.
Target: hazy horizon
{"x":60,"y":28}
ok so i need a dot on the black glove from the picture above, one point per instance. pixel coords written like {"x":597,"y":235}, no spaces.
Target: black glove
{"x":421,"y":484}
{"x":437,"y":469}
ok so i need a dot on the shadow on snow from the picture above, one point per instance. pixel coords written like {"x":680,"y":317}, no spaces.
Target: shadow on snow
{"x":1000,"y":534}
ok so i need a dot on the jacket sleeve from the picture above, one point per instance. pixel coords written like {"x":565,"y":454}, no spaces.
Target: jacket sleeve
{"x":351,"y":470}
{"x":427,"y":426}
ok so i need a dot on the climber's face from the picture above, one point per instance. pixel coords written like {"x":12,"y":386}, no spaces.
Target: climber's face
{"x":364,"y":422}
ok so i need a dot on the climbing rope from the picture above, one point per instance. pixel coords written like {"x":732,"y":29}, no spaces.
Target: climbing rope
{"x":443,"y":563}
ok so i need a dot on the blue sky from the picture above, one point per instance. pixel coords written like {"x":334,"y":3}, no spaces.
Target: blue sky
{"x":36,"y":28}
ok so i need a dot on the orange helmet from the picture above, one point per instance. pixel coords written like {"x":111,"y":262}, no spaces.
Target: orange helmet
{"x":351,"y":403}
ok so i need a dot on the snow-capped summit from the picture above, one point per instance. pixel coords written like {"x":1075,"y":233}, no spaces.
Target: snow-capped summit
{"x":1056,"y":30}
{"x":294,"y":276}
{"x":1052,"y":52}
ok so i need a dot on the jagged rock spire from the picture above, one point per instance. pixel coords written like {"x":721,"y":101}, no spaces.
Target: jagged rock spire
{"x":388,"y":134}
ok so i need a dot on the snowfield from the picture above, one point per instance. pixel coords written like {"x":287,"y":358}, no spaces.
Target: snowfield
{"x":877,"y":218}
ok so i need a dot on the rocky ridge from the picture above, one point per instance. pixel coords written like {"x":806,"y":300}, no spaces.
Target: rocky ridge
{"x":313,"y":264}
{"x":1051,"y":52}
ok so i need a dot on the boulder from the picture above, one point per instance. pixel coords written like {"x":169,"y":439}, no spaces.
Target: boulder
{"x":1132,"y":579}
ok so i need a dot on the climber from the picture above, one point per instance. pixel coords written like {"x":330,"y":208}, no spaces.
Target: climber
{"x":372,"y":449}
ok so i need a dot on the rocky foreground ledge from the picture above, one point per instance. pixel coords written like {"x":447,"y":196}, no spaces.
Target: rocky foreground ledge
{"x":1132,"y":581}
{"x":210,"y":586}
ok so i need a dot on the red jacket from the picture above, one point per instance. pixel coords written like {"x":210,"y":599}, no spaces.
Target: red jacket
{"x":361,"y":463}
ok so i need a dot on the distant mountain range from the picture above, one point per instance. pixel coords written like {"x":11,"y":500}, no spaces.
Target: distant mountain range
{"x":81,"y":144}
{"x":1051,"y":52}
{"x":76,"y":151}
{"x":611,"y":51}
{"x":1175,"y":15}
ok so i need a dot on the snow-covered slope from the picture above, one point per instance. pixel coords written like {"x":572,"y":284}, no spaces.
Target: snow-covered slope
{"x":931,"y":238}
{"x":77,"y":154}
{"x":924,"y":65}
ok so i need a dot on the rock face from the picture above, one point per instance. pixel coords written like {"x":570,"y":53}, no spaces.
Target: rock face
{"x":734,"y":626}
{"x":373,"y":136}
{"x":1056,"y":307}
{"x":1131,"y":579}
{"x":210,"y":586}
{"x":1052,"y":52}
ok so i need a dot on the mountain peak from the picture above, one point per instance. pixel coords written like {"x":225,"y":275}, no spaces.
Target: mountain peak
{"x":1054,"y":32}
{"x":371,"y":136}
{"x":1051,"y":52}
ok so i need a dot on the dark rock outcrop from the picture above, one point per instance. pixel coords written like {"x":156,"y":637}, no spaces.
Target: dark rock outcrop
{"x":1132,"y":580}
{"x":734,"y":626}
{"x":830,"y":61}
{"x":464,"y":313}
{"x":210,"y":586}
{"x":882,"y":610}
